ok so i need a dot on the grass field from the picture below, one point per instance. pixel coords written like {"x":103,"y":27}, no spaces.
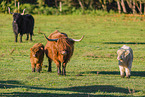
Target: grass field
{"x":93,"y":69}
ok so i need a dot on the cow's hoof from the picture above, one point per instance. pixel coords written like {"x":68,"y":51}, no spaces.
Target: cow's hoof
{"x":33,"y":70}
{"x":38,"y":70}
{"x":122,"y":76}
{"x":64,"y":74}
{"x":49,"y":71}
{"x":59,"y":74}
{"x":127,"y":76}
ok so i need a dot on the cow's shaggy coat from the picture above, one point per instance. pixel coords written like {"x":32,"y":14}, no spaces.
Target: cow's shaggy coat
{"x":22,"y":24}
{"x":125,"y":59}
{"x":59,"y":48}
{"x":36,"y":57}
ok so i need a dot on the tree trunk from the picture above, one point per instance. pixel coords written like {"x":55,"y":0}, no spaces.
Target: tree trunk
{"x":15,"y":3}
{"x":60,"y":5}
{"x":81,"y":4}
{"x":140,"y":7}
{"x":90,"y":4}
{"x":119,"y":7}
{"x":133,"y":8}
{"x":129,"y":3}
{"x":56,"y":3}
{"x":105,"y":5}
{"x":18,"y":7}
{"x":144,"y":8}
{"x":123,"y":6}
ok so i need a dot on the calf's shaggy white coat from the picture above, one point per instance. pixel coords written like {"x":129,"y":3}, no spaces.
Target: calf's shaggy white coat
{"x":125,"y":59}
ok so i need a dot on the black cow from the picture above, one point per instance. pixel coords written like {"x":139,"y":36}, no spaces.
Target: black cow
{"x":22,"y":24}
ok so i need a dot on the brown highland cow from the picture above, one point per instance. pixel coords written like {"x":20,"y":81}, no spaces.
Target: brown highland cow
{"x":59,"y":48}
{"x":36,"y":57}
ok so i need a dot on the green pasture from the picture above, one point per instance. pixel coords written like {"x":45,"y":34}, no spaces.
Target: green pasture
{"x":93,"y":69}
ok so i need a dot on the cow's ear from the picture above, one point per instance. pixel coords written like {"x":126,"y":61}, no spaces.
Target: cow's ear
{"x":120,"y":51}
{"x":127,"y":52}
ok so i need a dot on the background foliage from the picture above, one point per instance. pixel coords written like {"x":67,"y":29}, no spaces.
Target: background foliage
{"x":51,"y":7}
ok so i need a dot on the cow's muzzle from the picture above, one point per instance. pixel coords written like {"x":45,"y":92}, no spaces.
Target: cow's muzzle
{"x":35,"y":56}
{"x":120,"y":59}
{"x":14,"y":22}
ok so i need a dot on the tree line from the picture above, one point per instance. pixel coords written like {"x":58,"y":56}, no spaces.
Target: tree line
{"x":120,"y":6}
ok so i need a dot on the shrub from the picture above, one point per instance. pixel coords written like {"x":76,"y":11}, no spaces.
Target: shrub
{"x":41,"y":8}
{"x":29,"y":8}
{"x":3,"y":7}
{"x":50,"y":11}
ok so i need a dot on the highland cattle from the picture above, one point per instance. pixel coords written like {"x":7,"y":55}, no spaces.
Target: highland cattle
{"x":125,"y":59}
{"x":59,"y":48}
{"x":36,"y":57}
{"x":23,"y":24}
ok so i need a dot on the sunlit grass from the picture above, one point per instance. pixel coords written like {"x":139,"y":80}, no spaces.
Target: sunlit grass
{"x":93,"y":69}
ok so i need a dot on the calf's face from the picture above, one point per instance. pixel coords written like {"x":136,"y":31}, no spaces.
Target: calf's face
{"x":122,"y":54}
{"x":36,"y":52}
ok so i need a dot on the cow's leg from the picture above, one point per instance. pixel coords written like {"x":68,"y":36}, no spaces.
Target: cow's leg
{"x":49,"y":67}
{"x":59,"y":69}
{"x":30,"y":37}
{"x":38,"y":67}
{"x":16,"y":36}
{"x":121,"y":71}
{"x":41,"y":67}
{"x":58,"y":65}
{"x":21,"y":37}
{"x":27,"y":36}
{"x":64,"y":67}
{"x":33,"y":67}
{"x":128,"y":70}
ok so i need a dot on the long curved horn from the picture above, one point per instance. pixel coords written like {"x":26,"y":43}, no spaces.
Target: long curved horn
{"x":77,"y":39}
{"x":9,"y":11}
{"x":23,"y":12}
{"x":50,"y":39}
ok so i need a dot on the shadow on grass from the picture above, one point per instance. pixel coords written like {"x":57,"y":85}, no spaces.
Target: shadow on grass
{"x":124,"y":42}
{"x":83,"y":91}
{"x":10,"y":82}
{"x":97,"y":88}
{"x":26,"y":94}
{"x":133,"y":73}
